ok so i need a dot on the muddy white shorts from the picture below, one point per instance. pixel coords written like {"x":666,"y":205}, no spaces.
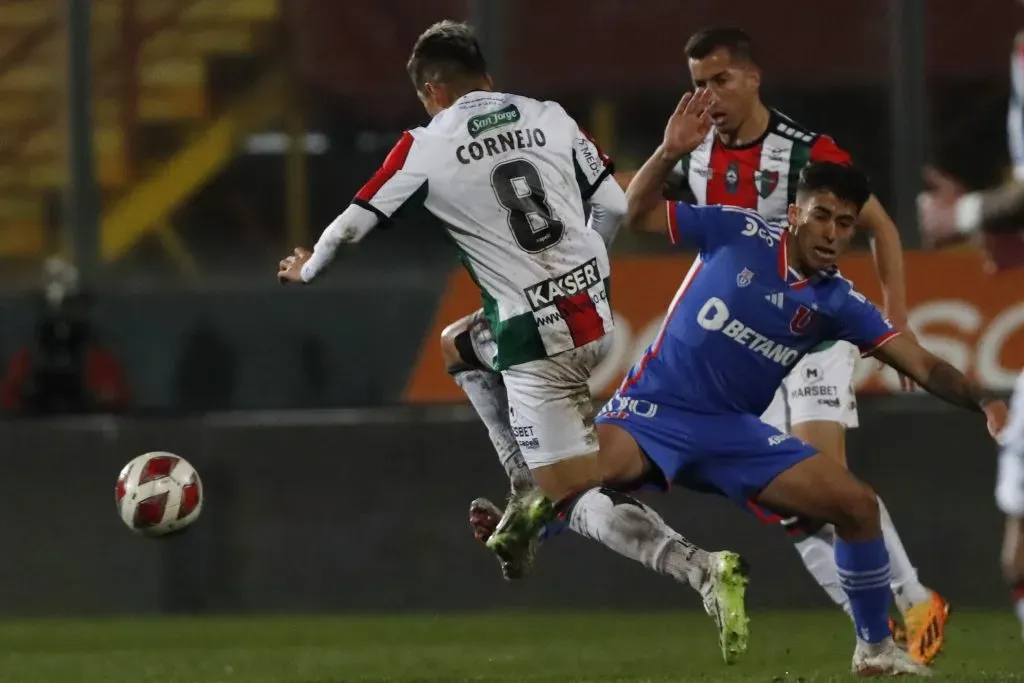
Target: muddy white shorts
{"x":549,"y":404}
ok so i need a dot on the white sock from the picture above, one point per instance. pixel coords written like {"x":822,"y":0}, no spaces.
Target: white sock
{"x":1019,"y":608}
{"x":487,"y":394}
{"x":630,"y":528}
{"x":820,"y":559}
{"x":906,"y":589}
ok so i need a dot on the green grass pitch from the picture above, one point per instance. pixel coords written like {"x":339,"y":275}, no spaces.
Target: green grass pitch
{"x":607,"y":647}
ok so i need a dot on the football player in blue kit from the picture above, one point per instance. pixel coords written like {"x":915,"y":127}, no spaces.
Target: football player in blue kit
{"x":757,"y":299}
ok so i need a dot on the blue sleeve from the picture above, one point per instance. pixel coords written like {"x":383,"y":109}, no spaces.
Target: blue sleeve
{"x":859,"y":322}
{"x":710,"y":227}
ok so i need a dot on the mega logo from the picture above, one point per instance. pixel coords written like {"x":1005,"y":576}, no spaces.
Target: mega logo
{"x":755,"y":227}
{"x":482,"y":123}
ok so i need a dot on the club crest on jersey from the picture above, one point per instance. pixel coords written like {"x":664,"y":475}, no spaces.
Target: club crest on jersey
{"x":766,"y":182}
{"x":802,"y":320}
{"x":744,"y":278}
{"x":732,"y":177}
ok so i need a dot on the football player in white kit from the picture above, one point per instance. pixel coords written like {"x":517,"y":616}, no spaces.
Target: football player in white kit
{"x":506,"y":177}
{"x":948,"y":213}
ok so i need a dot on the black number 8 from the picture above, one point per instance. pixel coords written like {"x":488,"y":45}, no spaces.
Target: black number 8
{"x":520,"y":190}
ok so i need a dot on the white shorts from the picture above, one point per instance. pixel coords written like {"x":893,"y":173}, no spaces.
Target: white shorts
{"x":549,"y":406}
{"x":1010,"y":480}
{"x":819,"y":387}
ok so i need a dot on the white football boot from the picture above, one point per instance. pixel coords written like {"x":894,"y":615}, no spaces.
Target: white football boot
{"x":873,"y":660}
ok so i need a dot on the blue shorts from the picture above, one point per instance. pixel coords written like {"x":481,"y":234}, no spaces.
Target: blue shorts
{"x":733,"y":455}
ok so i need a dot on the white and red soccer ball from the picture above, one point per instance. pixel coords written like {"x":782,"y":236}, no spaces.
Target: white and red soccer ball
{"x":158,"y":494}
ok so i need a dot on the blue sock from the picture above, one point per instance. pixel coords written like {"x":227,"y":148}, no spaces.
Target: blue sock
{"x":864,"y":575}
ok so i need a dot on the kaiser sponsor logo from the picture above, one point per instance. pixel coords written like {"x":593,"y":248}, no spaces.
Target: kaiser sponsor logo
{"x":580,"y":279}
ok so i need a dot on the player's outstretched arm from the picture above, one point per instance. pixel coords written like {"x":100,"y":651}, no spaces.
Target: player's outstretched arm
{"x":304,"y":265}
{"x":938,"y":377}
{"x":685,"y":130}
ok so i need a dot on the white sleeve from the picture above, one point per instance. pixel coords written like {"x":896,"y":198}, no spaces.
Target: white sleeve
{"x":402,"y":175}
{"x":592,"y":165}
{"x":350,"y":226}
{"x":607,"y":208}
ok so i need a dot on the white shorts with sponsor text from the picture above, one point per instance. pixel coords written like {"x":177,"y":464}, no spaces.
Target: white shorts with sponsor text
{"x":1010,"y":480}
{"x":550,"y":407}
{"x":818,"y":388}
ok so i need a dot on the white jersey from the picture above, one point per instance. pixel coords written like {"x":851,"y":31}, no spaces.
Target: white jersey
{"x":506,"y":177}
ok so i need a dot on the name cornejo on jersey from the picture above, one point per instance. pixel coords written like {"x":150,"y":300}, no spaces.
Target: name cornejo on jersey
{"x":502,"y":142}
{"x":580,"y":279}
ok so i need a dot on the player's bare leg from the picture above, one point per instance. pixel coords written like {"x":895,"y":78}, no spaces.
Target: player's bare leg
{"x":589,"y":499}
{"x":924,"y":611}
{"x":486,"y":392}
{"x":1013,"y":563}
{"x":822,"y":489}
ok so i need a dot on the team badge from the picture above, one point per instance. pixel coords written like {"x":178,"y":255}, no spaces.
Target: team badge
{"x":732,"y":177}
{"x":744,"y":278}
{"x":766,"y":182}
{"x":802,"y":320}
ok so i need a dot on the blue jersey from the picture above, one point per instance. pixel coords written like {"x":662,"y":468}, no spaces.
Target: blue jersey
{"x":742,"y":317}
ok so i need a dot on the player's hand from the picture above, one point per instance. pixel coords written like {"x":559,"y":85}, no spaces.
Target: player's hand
{"x":290,"y":267}
{"x":996,"y":415}
{"x":689,"y":124}
{"x":936,"y":207}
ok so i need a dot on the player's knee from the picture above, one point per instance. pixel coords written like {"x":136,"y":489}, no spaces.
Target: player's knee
{"x":860,"y":507}
{"x":457,"y":346}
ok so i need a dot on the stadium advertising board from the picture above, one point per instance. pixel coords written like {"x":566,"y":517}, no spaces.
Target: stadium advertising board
{"x":959,"y":311}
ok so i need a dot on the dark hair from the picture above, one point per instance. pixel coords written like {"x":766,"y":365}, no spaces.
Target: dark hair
{"x":446,"y":52}
{"x":845,"y":182}
{"x":734,"y":40}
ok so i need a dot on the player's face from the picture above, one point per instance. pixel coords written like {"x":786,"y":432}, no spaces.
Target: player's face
{"x":822,"y":225}
{"x":734,"y":85}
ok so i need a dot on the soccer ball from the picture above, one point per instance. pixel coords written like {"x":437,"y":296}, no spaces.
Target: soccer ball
{"x":158,"y":494}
